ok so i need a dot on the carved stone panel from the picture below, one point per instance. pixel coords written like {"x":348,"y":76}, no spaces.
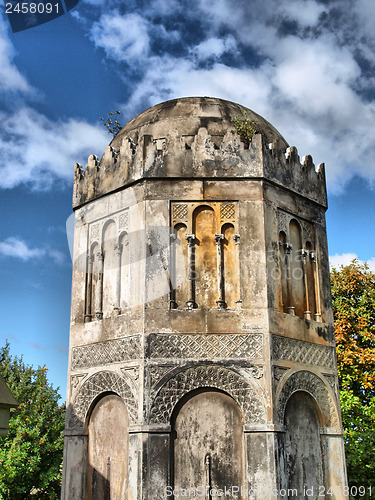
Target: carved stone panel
{"x":244,"y":393}
{"x":206,"y":346}
{"x":179,"y":212}
{"x":311,"y":383}
{"x":157,"y":372}
{"x":75,"y":381}
{"x":105,"y":353}
{"x":302,"y":352}
{"x":97,"y":384}
{"x":123,"y":219}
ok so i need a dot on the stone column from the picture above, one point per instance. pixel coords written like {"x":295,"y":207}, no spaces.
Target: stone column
{"x":88,"y":308}
{"x":304,"y":255}
{"x":191,"y":275}
{"x":318,"y":314}
{"x":236,"y":238}
{"x":118,"y":252}
{"x":172,"y":273}
{"x":288,"y":251}
{"x":75,"y":454}
{"x":335,"y":467}
{"x":99,"y":288}
{"x":261,"y":445}
{"x":220,"y":276}
{"x":154,"y":471}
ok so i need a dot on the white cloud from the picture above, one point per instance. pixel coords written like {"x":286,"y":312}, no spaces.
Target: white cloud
{"x":168,"y":77}
{"x":11,"y":80}
{"x":305,"y":12}
{"x":214,"y":47}
{"x":338,"y":260}
{"x":307,"y":81}
{"x":122,"y":37}
{"x":16,"y":248}
{"x":36,"y":150}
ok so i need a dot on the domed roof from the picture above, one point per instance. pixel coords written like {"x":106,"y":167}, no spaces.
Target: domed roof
{"x":187,"y":115}
{"x":195,"y":138}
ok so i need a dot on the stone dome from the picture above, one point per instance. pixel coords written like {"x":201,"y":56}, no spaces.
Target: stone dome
{"x":195,"y":138}
{"x":187,"y":115}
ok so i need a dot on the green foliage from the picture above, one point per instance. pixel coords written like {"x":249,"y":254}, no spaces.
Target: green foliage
{"x":31,"y":453}
{"x":353,"y":290}
{"x":245,"y":127}
{"x":111,"y":123}
{"x":359,"y":437}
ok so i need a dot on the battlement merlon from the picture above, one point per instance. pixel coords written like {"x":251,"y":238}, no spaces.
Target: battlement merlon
{"x":153,"y":158}
{"x":195,"y":138}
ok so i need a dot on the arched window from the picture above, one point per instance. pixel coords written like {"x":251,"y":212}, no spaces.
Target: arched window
{"x":204,"y":256}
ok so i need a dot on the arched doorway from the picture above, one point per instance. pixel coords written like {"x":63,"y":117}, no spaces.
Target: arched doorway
{"x":302,"y":447}
{"x":208,"y":443}
{"x":108,"y":450}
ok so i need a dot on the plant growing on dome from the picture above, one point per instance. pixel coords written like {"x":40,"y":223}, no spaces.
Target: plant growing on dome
{"x":111,"y":123}
{"x":246,"y":128}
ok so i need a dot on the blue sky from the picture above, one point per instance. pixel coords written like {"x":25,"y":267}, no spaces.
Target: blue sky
{"x":305,"y":65}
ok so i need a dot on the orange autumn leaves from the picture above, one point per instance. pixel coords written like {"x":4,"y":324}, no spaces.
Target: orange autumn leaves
{"x":353,"y":297}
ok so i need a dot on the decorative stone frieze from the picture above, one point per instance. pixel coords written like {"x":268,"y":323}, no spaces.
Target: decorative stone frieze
{"x":197,"y":346}
{"x":106,"y":353}
{"x":304,"y":353}
{"x":244,"y":393}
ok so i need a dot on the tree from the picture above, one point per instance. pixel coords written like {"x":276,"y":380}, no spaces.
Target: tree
{"x":111,"y":123}
{"x":353,"y":294}
{"x":31,"y":453}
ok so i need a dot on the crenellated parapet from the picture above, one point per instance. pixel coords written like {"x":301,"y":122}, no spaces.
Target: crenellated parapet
{"x":196,"y":138}
{"x":283,"y":165}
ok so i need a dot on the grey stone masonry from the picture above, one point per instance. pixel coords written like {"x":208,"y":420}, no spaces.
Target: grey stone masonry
{"x":202,"y":349}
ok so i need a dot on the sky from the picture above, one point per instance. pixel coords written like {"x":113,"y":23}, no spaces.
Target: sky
{"x":307,"y":66}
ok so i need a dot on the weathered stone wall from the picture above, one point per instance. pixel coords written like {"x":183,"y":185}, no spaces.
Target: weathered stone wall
{"x":201,"y":298}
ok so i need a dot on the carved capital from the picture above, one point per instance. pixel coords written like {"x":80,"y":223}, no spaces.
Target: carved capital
{"x":117,"y":248}
{"x":190,"y":239}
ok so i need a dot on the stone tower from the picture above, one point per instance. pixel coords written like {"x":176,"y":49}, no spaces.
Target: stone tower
{"x":202,"y":351}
